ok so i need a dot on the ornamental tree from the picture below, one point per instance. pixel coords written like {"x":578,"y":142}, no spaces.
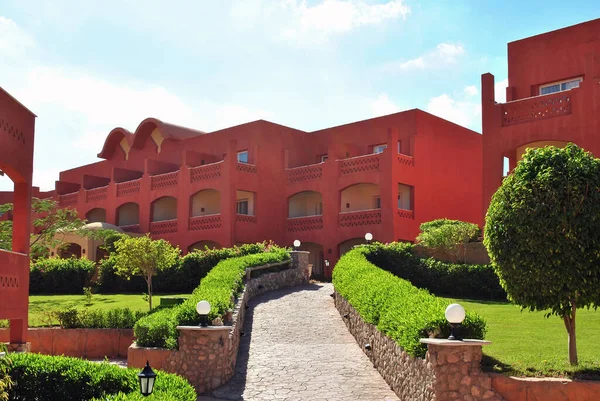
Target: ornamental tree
{"x":542,"y":232}
{"x":142,"y":256}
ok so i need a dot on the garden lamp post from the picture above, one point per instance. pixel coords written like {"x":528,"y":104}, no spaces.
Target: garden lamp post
{"x":297,"y":244}
{"x":146,"y":378}
{"x":455,"y":314}
{"x":368,"y":237}
{"x":203,"y":309}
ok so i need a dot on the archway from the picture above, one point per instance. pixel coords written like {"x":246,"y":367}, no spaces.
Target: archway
{"x":315,"y":258}
{"x":307,"y":203}
{"x":70,"y":250}
{"x":97,"y":215}
{"x":163,"y":209}
{"x":205,"y":202}
{"x":128,"y":214}
{"x":202,"y":245}
{"x":364,"y":196}
{"x":349,"y":244}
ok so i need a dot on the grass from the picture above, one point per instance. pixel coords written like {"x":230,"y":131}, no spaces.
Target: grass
{"x":40,"y":305}
{"x":528,"y":344}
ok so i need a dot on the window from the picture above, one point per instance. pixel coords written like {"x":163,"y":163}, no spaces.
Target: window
{"x":319,"y":209}
{"x":242,"y":157}
{"x":324,"y":157}
{"x":560,"y":86}
{"x":377,"y":202}
{"x":379,"y":148}
{"x":242,"y":206}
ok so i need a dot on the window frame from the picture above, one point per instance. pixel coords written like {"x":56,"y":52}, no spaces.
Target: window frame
{"x":242,"y":152}
{"x":241,"y":202}
{"x":559,"y":83}
{"x":382,"y":146}
{"x":377,"y":202}
{"x":323,"y":158}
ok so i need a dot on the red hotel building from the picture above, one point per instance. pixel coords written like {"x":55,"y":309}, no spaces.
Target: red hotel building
{"x":260,"y":181}
{"x":552,"y":98}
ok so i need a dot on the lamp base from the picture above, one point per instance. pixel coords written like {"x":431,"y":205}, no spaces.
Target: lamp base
{"x":455,"y":332}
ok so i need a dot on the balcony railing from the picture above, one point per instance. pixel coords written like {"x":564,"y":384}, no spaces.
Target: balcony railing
{"x":208,"y":222}
{"x":13,"y":268}
{"x":360,"y":218}
{"x":304,"y":173}
{"x":360,"y":164}
{"x":96,"y":194}
{"x":132,"y":228}
{"x":246,"y":168}
{"x":536,"y":108}
{"x":128,"y":188}
{"x":406,"y":214}
{"x":163,"y":227}
{"x":206,"y":172}
{"x":164,"y":180}
{"x":245,"y":218}
{"x":307,"y":223}
{"x":68,"y":199}
{"x":406,"y":160}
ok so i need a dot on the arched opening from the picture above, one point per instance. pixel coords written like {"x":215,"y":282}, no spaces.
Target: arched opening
{"x":101,"y":253}
{"x":307,"y":203}
{"x":205,"y":202}
{"x":128,"y":214}
{"x":70,"y":250}
{"x":315,"y":258}
{"x":163,"y":209}
{"x":97,"y":215}
{"x":360,"y":197}
{"x":349,"y":244}
{"x":202,"y":245}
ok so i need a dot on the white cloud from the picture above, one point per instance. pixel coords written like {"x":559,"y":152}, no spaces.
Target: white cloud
{"x":500,"y":90}
{"x":443,"y":55}
{"x":339,"y":16}
{"x":459,"y":109}
{"x":471,"y":90}
{"x":13,"y":40}
{"x":383,"y":106}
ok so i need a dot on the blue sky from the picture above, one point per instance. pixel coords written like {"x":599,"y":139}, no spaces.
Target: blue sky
{"x":87,"y":67}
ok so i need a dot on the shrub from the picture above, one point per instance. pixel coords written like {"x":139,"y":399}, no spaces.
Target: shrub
{"x":219,"y":287}
{"x":56,"y":378}
{"x":449,"y":235}
{"x":60,"y":276}
{"x":400,"y":310}
{"x":74,"y":318}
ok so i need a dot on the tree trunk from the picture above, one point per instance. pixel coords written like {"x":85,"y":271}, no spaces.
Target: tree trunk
{"x":570,"y":325}
{"x":149,"y":281}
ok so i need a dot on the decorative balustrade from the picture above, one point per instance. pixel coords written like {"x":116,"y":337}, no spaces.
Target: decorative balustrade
{"x":96,"y":194}
{"x":206,"y":172}
{"x":128,"y":188}
{"x":209,"y":222}
{"x":13,"y":267}
{"x":132,"y":228}
{"x":304,"y":173}
{"x":68,"y":199}
{"x":164,"y":180}
{"x":163,"y":227}
{"x":406,"y":160}
{"x":360,"y":218}
{"x":536,"y":108}
{"x":406,"y":214}
{"x":360,"y":164}
{"x":246,"y":168}
{"x":308,"y":223}
{"x":245,"y":218}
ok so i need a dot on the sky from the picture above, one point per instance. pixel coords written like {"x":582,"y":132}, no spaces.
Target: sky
{"x":86,"y":67}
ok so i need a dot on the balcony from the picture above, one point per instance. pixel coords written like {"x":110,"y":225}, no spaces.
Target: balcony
{"x":128,"y":188}
{"x":536,"y":108}
{"x":96,"y":194}
{"x":163,"y":181}
{"x":68,"y":199}
{"x":246,"y":168}
{"x":306,"y":223}
{"x":208,"y":222}
{"x":360,"y":164}
{"x":206,"y":172}
{"x":163,"y":227}
{"x":132,"y":228}
{"x":406,"y":214}
{"x":406,"y":160}
{"x":245,"y":218}
{"x":360,"y":218}
{"x":304,"y":173}
{"x":14,"y":269}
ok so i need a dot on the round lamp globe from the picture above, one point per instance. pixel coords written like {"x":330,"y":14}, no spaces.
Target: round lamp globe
{"x":368,"y":236}
{"x":297,"y":243}
{"x":455,"y":313}
{"x":203,"y":308}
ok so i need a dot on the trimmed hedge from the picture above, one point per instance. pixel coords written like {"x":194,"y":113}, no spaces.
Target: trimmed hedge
{"x":441,"y":278}
{"x":400,"y":310}
{"x":118,"y":318}
{"x":60,"y":276}
{"x":219,"y":287}
{"x":55,"y":378}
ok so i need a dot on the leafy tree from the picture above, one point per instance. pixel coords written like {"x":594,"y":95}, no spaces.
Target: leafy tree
{"x":448,"y":235}
{"x":142,"y":256}
{"x":542,"y":232}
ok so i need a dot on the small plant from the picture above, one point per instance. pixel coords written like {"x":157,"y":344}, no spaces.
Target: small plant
{"x":5,"y":380}
{"x":87,"y":292}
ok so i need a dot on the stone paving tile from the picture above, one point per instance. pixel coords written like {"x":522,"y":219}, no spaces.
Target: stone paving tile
{"x":297,"y":348}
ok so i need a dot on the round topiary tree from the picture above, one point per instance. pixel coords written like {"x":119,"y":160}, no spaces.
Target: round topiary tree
{"x":542,"y":232}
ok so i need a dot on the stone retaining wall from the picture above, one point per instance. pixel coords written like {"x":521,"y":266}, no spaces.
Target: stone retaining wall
{"x":207,"y":355}
{"x":82,"y":343}
{"x":546,"y":389}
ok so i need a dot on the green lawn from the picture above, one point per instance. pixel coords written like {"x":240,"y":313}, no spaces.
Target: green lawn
{"x":527,"y":343}
{"x":39,"y":305}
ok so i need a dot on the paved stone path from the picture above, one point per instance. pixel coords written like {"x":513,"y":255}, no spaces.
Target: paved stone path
{"x":297,"y":348}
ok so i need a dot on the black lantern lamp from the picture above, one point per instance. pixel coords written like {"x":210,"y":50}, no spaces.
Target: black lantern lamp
{"x":368,"y":237}
{"x":297,"y":244}
{"x":455,"y":314}
{"x":147,"y":378}
{"x":203,"y":309}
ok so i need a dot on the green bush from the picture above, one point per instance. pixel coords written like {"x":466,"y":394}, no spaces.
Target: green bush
{"x":219,"y":287}
{"x":448,"y":235}
{"x":400,"y":310}
{"x":60,"y":276}
{"x":75,"y":318}
{"x":56,"y":378}
{"x":441,"y":278}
